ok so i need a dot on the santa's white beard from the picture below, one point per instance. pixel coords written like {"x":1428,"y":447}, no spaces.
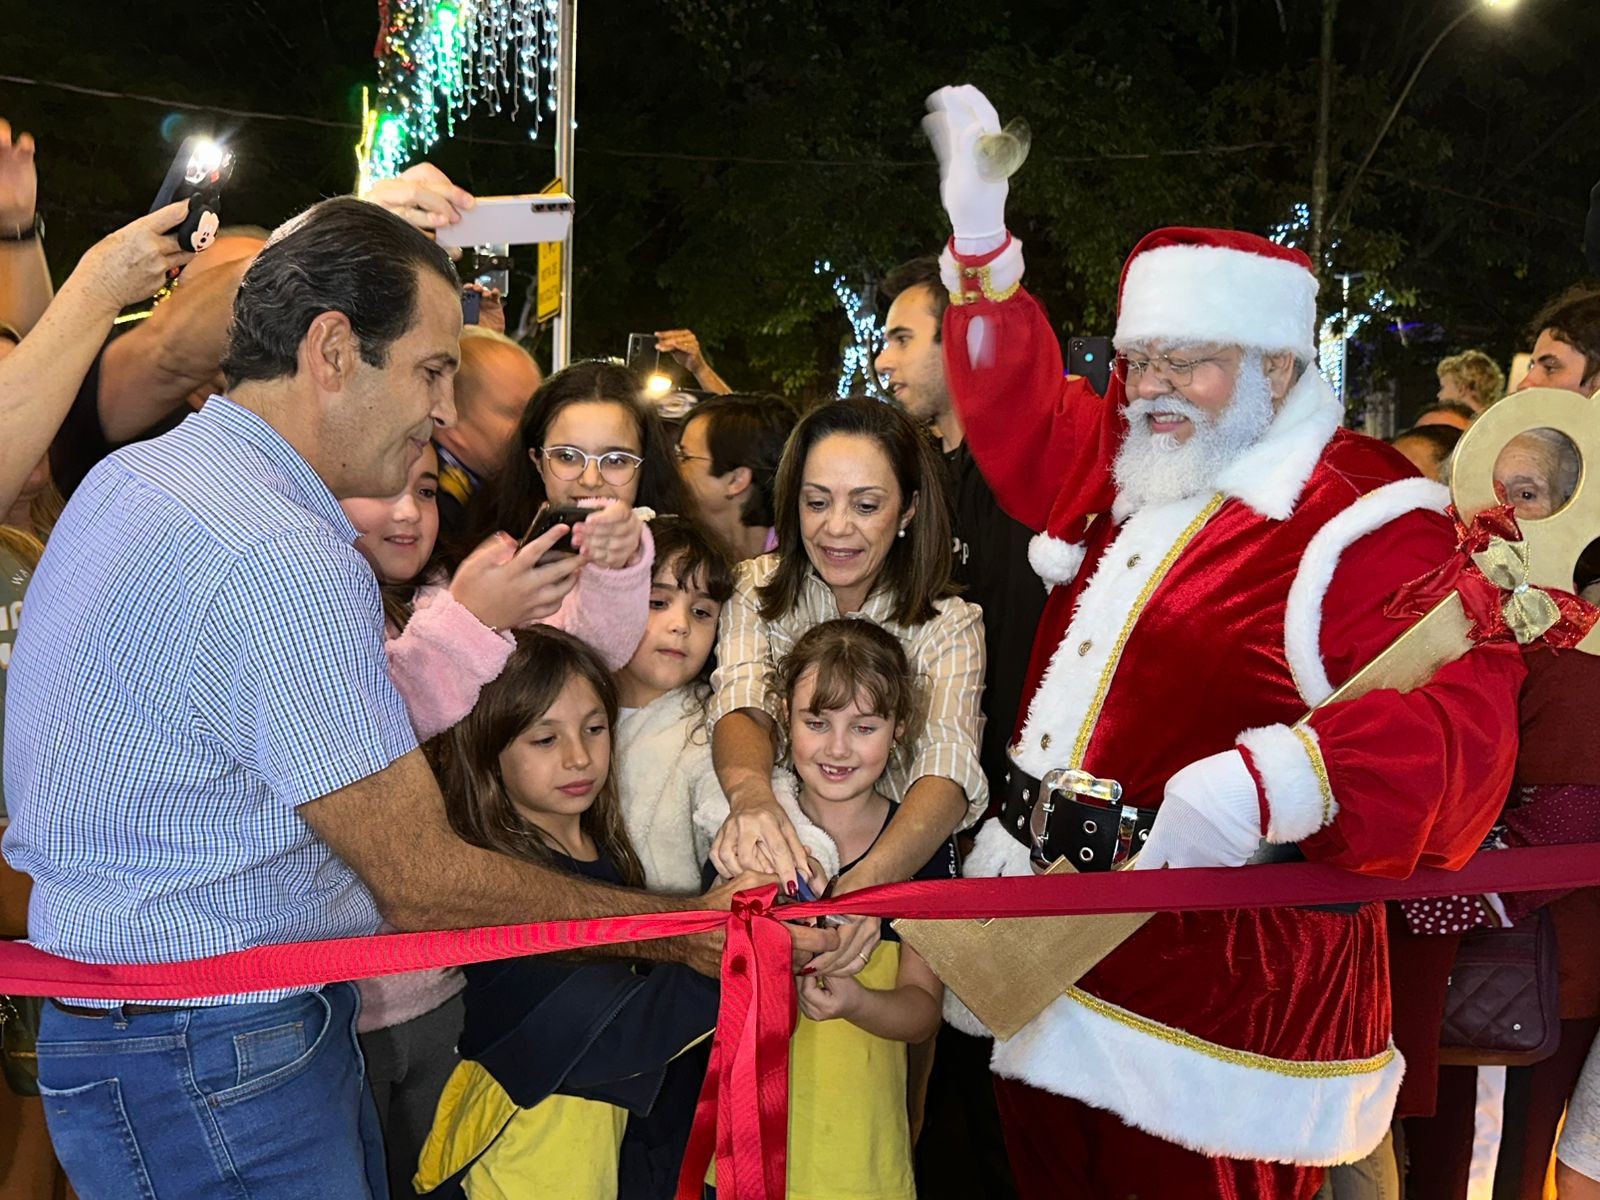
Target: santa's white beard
{"x":1155,"y":468}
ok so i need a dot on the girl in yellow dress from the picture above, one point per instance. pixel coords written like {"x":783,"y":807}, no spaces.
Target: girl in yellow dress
{"x":851,"y":701}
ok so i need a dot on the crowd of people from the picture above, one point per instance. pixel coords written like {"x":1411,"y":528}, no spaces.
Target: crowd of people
{"x":345,"y":618}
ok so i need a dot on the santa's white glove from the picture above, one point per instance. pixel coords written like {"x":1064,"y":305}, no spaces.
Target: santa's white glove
{"x":957,"y":118}
{"x":1210,"y":816}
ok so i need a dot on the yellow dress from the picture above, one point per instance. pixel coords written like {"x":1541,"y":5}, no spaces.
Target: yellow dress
{"x":849,"y":1135}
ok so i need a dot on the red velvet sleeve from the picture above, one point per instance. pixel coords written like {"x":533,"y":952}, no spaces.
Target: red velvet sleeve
{"x":1419,"y":777}
{"x":1034,"y":433}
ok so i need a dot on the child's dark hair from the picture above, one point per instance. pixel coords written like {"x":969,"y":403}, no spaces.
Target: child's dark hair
{"x":515,"y":495}
{"x":688,"y":549}
{"x":852,"y":657}
{"x":467,"y":757}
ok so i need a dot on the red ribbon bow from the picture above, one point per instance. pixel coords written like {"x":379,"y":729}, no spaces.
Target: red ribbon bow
{"x":745,"y":1098}
{"x":1482,"y":598}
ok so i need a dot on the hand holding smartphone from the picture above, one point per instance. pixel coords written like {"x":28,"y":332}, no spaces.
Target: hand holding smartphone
{"x":546,"y":519}
{"x":199,"y":172}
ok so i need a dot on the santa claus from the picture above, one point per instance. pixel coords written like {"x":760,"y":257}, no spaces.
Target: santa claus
{"x":1218,"y":552}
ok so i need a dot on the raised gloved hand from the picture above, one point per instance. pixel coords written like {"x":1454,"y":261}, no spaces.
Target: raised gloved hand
{"x":1210,"y":817}
{"x":957,"y":118}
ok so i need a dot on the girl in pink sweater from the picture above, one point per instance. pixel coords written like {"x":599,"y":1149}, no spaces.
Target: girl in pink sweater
{"x":447,"y":639}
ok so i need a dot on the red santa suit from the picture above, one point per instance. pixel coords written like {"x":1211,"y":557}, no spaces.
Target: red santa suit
{"x":1201,"y":631}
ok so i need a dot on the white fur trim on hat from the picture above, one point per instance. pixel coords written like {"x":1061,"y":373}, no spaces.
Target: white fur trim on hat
{"x":1192,"y":294}
{"x":1302,"y":617}
{"x":1053,"y":560}
{"x":1293,"y":780}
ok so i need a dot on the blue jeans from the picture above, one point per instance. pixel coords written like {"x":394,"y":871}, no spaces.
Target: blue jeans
{"x":240,"y":1101}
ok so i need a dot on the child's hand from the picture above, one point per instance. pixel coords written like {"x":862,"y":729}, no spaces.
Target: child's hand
{"x":825,"y":999}
{"x":506,"y":588}
{"x":610,"y":538}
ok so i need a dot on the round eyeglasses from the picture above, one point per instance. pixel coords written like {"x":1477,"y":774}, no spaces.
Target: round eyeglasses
{"x":567,"y":463}
{"x":1175,"y":370}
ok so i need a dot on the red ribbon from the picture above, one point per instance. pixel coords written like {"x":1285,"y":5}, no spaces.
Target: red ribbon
{"x":745,"y":1100}
{"x":743,"y":1109}
{"x":1481,"y":598}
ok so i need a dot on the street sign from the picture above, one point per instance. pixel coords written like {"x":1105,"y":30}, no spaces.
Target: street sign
{"x":549,"y":297}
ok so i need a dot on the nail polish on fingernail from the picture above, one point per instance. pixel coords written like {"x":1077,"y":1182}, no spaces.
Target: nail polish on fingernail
{"x":794,"y":888}
{"x":808,"y":971}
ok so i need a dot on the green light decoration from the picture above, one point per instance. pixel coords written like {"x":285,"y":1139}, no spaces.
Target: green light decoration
{"x":438,"y":60}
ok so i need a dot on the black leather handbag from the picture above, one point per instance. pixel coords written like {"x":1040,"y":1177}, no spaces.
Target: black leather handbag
{"x":1502,"y":1004}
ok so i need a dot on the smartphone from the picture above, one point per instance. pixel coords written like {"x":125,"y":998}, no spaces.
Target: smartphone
{"x":643,"y":357}
{"x":547,"y":518}
{"x":199,"y":172}
{"x":1091,"y":357}
{"x":471,"y":305}
{"x":511,"y":221}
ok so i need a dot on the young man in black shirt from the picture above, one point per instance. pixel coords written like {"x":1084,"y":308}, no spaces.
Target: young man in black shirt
{"x":961,"y":1152}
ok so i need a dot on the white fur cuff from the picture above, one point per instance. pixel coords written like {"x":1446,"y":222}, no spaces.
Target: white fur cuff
{"x":963,"y":1018}
{"x":1053,"y":560}
{"x":1293,"y":779}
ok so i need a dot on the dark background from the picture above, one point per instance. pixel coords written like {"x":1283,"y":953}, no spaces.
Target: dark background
{"x":725,"y":145}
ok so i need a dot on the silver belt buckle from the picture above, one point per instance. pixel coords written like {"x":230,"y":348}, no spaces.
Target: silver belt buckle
{"x":1070,"y":781}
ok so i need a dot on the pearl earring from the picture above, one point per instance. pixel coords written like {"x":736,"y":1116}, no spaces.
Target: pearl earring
{"x":902,"y":532}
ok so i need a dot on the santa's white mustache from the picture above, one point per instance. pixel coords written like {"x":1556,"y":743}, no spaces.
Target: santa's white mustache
{"x":1145,"y":406}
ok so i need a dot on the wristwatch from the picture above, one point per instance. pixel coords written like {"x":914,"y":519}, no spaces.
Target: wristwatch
{"x":24,"y":233}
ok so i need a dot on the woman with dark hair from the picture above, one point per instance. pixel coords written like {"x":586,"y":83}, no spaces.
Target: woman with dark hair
{"x":586,"y":437}
{"x":862,"y":532}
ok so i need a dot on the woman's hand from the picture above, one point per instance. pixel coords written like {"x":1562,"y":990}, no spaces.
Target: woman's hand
{"x":609,"y":538}
{"x":858,"y":938}
{"x":507,"y":588}
{"x":758,"y":836}
{"x":827,"y":1000}
{"x":135,"y":261}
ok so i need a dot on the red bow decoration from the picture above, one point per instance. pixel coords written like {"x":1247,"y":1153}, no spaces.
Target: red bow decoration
{"x":744,"y":1103}
{"x":1495,"y":593}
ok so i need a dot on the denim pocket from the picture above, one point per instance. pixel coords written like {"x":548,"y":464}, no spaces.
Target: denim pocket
{"x":95,"y":1142}
{"x":264,"y":1050}
{"x":276,"y":1054}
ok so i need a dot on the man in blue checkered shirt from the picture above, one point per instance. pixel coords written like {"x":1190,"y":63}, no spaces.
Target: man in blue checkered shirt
{"x":204,"y":752}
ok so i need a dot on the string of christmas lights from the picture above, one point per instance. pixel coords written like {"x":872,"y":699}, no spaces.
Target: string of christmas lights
{"x":1340,"y":325}
{"x":440,"y":59}
{"x":866,"y":337}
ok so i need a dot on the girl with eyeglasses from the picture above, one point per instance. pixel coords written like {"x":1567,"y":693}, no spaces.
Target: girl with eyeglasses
{"x":587,"y":439}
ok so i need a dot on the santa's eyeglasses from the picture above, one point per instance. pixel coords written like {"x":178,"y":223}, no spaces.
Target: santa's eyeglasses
{"x":1175,"y":370}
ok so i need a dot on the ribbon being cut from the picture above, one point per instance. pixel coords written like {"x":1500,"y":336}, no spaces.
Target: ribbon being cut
{"x":742,"y":1114}
{"x":1496,"y":588}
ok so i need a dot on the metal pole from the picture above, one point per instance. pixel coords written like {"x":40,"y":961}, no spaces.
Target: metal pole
{"x":566,"y":126}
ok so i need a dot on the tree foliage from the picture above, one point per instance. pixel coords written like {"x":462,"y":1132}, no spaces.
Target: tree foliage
{"x":726,"y":145}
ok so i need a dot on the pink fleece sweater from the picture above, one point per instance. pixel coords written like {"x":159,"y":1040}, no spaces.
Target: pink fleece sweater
{"x":440,"y":662}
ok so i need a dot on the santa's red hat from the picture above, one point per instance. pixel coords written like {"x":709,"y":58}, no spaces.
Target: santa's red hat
{"x":1219,"y":286}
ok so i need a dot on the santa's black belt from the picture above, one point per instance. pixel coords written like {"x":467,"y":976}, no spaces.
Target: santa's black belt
{"x":1073,"y":815}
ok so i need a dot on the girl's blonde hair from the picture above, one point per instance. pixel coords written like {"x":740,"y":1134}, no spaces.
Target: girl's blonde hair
{"x":467,"y":757}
